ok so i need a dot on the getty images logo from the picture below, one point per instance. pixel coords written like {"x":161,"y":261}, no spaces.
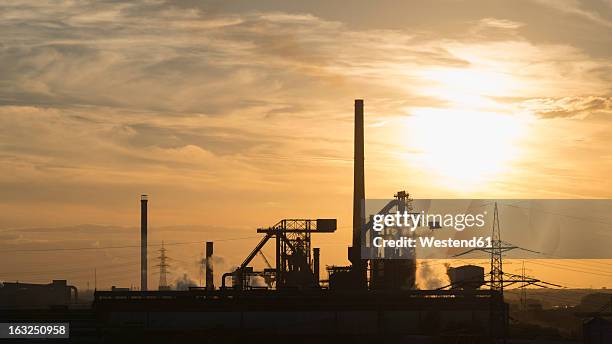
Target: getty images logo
{"x":414,"y":220}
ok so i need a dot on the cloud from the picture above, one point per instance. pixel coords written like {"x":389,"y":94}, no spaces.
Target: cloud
{"x":240,"y":114}
{"x":570,"y":107}
{"x":203,"y":105}
{"x":500,"y":23}
{"x":112,"y":55}
{"x":130,"y":94}
{"x":576,"y":8}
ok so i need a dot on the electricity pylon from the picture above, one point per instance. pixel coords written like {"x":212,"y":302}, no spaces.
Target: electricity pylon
{"x":163,"y":268}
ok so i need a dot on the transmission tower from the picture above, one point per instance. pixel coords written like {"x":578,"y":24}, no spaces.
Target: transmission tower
{"x":497,"y":273}
{"x":499,"y":280}
{"x":163,"y":268}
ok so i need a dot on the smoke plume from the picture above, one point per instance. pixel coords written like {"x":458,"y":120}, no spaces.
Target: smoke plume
{"x":431,"y":275}
{"x":184,"y":282}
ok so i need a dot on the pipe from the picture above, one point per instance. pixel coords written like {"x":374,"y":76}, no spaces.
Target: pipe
{"x":315,"y":264}
{"x":76,"y":293}
{"x":143,"y":242}
{"x":225,"y":275}
{"x":210,"y":284}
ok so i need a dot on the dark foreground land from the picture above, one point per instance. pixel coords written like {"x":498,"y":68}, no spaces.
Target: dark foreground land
{"x":317,"y":317}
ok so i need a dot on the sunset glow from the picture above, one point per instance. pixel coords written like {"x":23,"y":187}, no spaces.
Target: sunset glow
{"x":233,"y":115}
{"x":465,"y":148}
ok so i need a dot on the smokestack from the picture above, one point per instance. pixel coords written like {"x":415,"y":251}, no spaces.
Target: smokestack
{"x":210,"y":284}
{"x":359,"y":267}
{"x":315,"y":264}
{"x":143,"y":242}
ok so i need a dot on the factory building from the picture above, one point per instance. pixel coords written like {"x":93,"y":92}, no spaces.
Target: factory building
{"x":17,"y":295}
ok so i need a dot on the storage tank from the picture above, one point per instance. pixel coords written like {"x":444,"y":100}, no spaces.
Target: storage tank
{"x":467,"y":277}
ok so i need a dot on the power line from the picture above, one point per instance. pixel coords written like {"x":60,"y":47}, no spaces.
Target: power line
{"x":581,"y":265}
{"x":587,"y":219}
{"x":565,"y":267}
{"x":118,"y":247}
{"x":68,"y":271}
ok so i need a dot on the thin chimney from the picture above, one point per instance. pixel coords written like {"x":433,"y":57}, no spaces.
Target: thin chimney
{"x":315,"y":264}
{"x":143,"y":242}
{"x":210,"y":284}
{"x":359,"y":266}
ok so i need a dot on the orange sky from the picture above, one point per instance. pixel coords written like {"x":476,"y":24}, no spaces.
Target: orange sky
{"x":236,"y":115}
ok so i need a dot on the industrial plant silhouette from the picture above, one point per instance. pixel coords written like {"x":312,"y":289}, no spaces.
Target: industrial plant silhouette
{"x":370,"y":300}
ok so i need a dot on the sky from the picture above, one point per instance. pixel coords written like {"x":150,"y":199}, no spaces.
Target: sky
{"x":235,"y":115}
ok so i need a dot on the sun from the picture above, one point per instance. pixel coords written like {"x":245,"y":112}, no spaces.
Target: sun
{"x":472,"y":138}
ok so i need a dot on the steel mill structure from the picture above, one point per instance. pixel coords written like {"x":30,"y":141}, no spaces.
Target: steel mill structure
{"x":367,"y":300}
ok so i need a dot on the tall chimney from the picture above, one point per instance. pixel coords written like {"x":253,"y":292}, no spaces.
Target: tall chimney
{"x":315,"y":264}
{"x":143,"y":242}
{"x":359,"y":266}
{"x":210,"y":283}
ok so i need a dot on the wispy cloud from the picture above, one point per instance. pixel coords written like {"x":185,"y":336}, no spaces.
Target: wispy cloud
{"x":500,"y":23}
{"x":106,"y":99}
{"x":570,"y":106}
{"x":574,"y":7}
